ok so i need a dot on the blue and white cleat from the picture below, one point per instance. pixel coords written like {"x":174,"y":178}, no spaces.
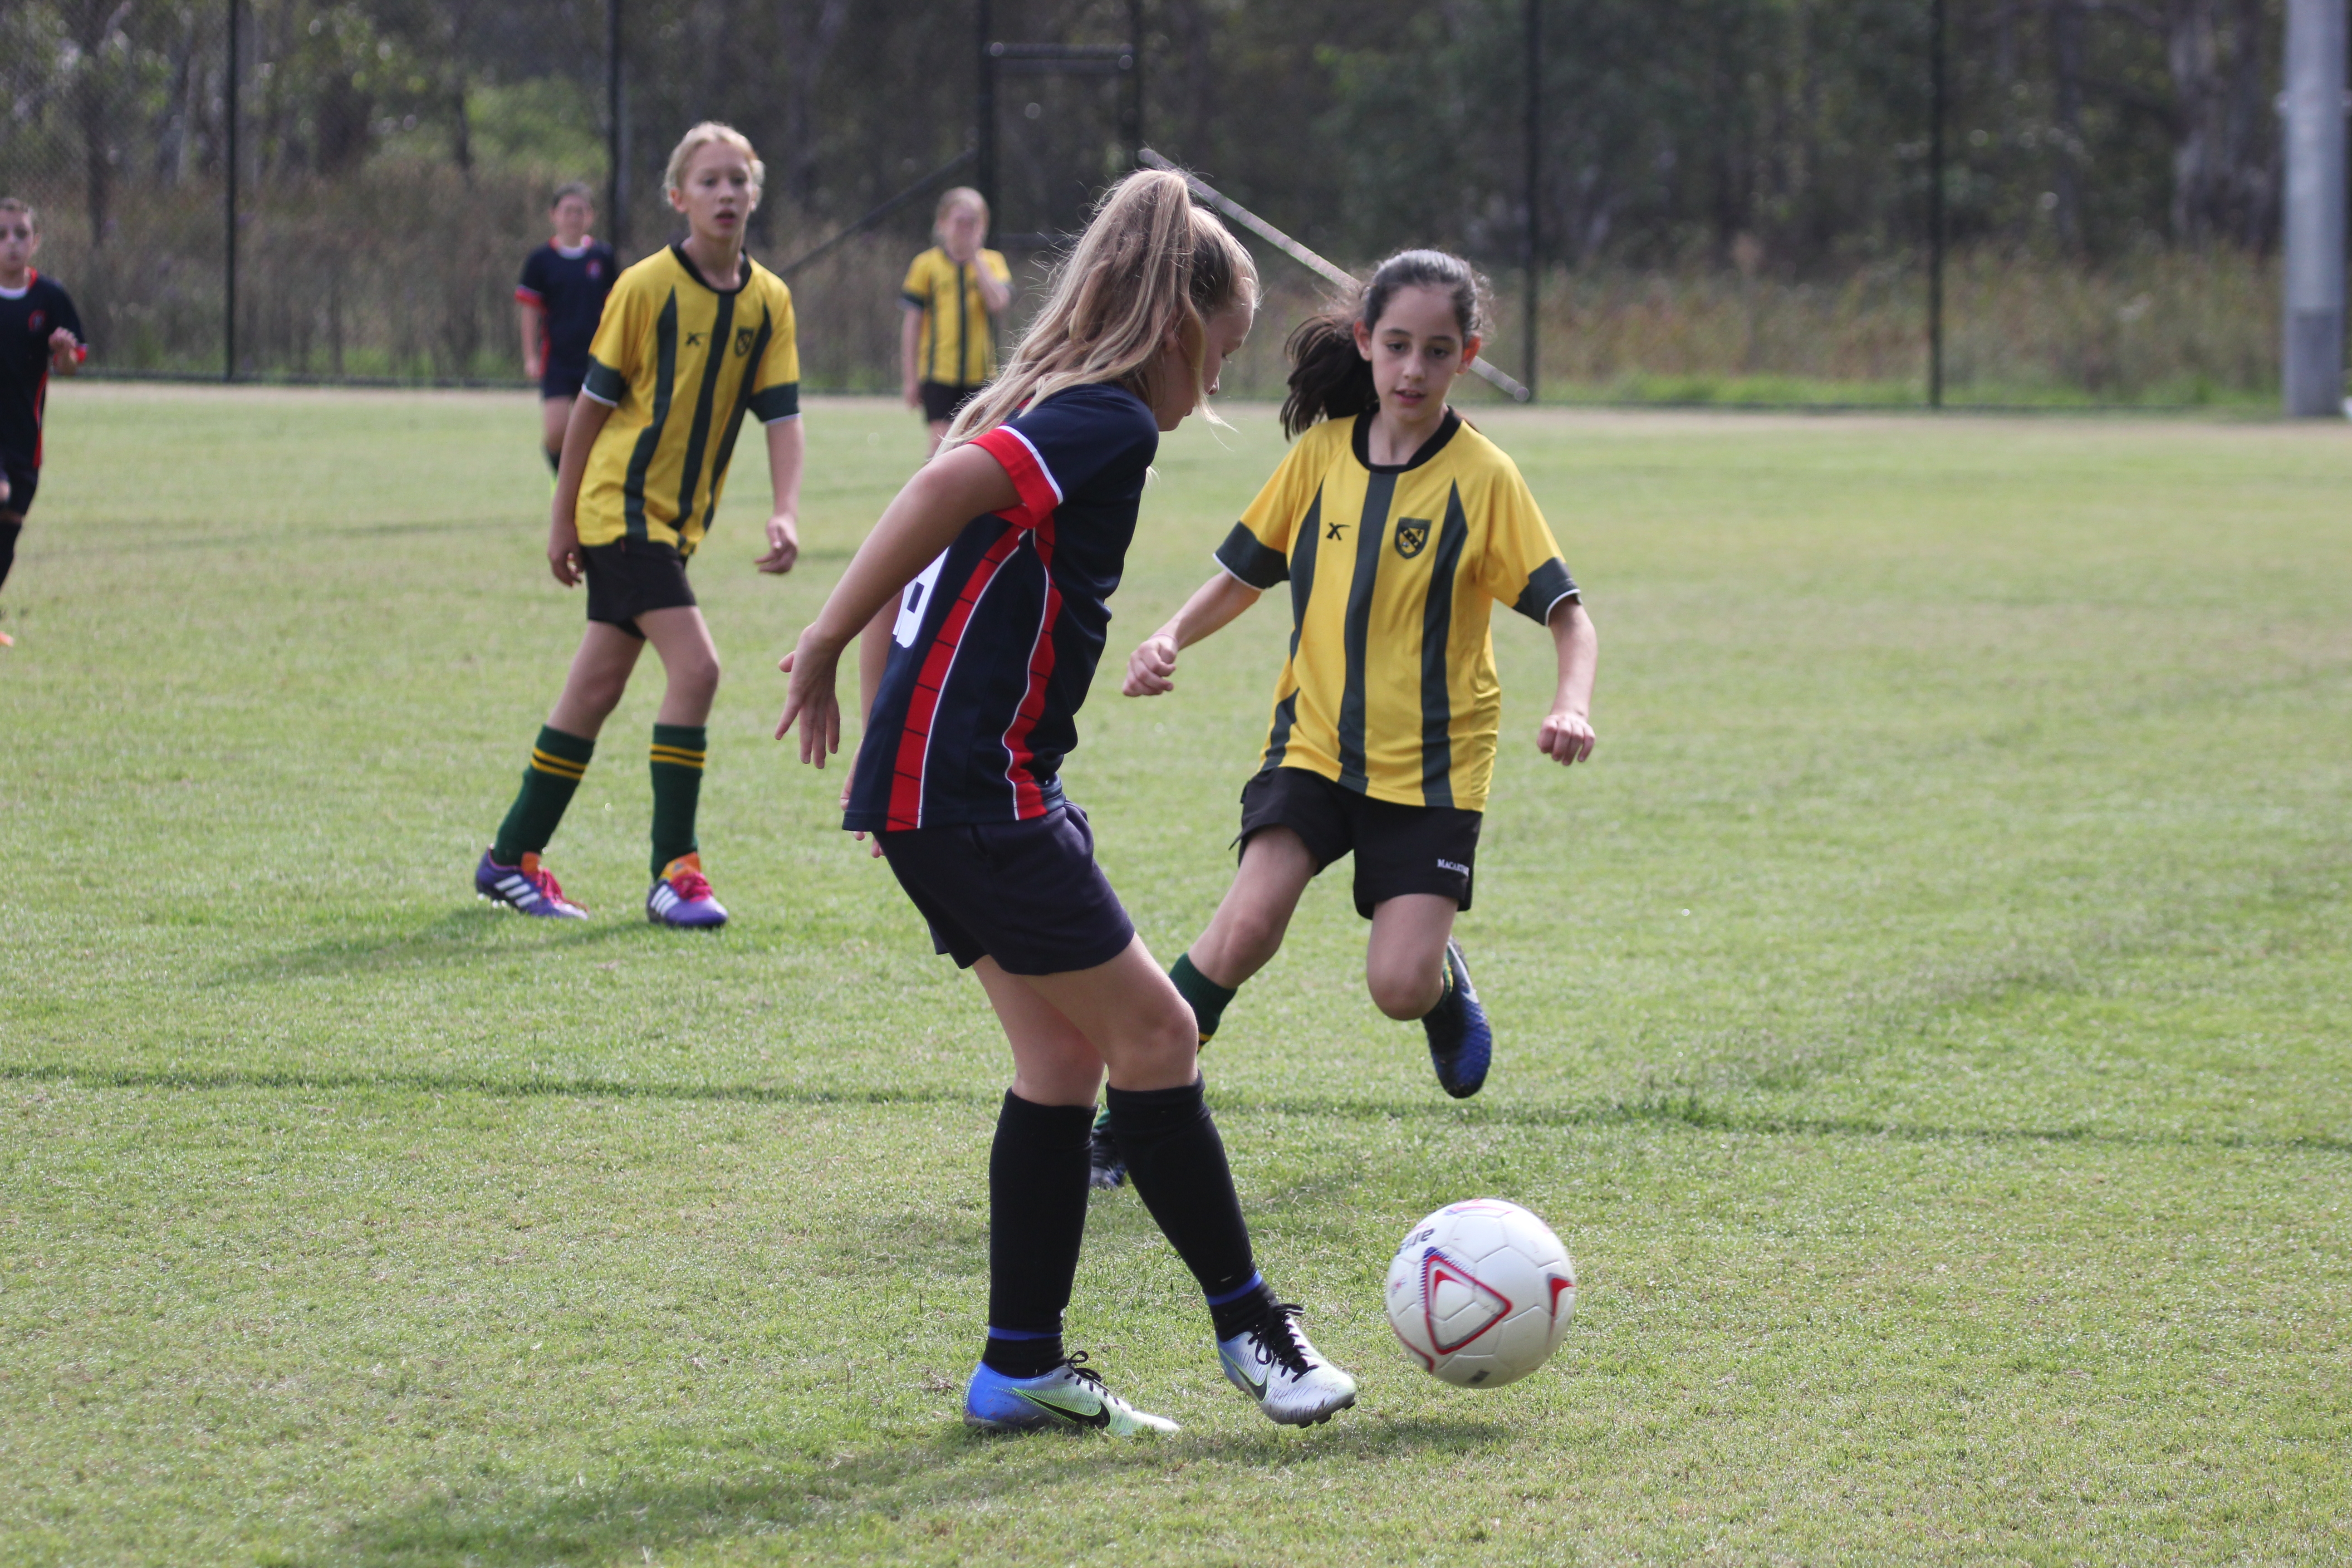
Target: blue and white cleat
{"x":529,"y":888}
{"x":1071,"y":1396}
{"x":1460,"y":1044}
{"x":681,"y":896}
{"x":1274,"y":1365}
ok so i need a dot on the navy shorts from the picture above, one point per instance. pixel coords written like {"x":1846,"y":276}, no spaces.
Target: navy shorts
{"x":562,"y":379}
{"x":1398,"y":848}
{"x":630,"y":576}
{"x":23,"y":481}
{"x":1026,"y":894}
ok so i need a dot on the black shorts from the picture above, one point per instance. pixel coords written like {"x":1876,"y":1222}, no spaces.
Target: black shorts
{"x":1026,"y":894}
{"x":943,"y":403}
{"x":23,"y":481}
{"x":562,"y":379}
{"x":1398,"y":848}
{"x":630,"y":576}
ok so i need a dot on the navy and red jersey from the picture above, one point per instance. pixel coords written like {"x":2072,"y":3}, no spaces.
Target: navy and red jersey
{"x":996,"y":641}
{"x":27,"y":317}
{"x":569,"y":286}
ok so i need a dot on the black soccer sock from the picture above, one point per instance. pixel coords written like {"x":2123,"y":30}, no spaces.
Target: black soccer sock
{"x":8,"y":533}
{"x":1178,"y":1164}
{"x":1037,"y":1220}
{"x":557,"y":763}
{"x":1207,"y":997}
{"x":676,"y":763}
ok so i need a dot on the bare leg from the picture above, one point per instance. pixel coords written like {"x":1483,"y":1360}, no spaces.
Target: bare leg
{"x":688,"y":659}
{"x":600,"y":673}
{"x":1053,"y":1063}
{"x":1404,"y":962}
{"x":1127,"y":1009}
{"x":1248,"y":930}
{"x":554,"y":417}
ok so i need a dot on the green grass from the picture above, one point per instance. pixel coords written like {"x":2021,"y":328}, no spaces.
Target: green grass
{"x":1924,"y":1020}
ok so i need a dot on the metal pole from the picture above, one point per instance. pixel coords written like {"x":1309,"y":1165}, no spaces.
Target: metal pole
{"x":1132,"y":95}
{"x":615,"y":188}
{"x":984,"y":174}
{"x":228,"y":208}
{"x":1534,"y":304}
{"x":2313,"y":347}
{"x":1935,"y":208}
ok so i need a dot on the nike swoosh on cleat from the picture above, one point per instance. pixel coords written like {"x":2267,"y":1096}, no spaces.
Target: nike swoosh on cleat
{"x":1100,"y":1417}
{"x":1256,"y":1385}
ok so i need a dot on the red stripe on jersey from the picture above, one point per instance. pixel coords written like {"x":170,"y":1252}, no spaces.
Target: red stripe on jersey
{"x":923,"y":702}
{"x":529,"y":296}
{"x":1028,"y":801}
{"x":1031,"y":480}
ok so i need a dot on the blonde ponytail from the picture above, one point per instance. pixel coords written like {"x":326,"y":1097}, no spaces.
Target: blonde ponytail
{"x":1150,"y":262}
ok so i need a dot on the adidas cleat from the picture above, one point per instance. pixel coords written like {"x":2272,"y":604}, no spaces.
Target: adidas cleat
{"x":529,"y":888}
{"x":1105,"y":1168}
{"x":1071,"y":1396}
{"x":1274,"y":1365}
{"x":1461,"y":1045}
{"x":681,"y":896}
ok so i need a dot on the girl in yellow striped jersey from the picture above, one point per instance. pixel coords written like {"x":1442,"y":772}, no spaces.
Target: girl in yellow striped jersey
{"x":953,"y":293}
{"x":1398,"y":528}
{"x":692,"y":338}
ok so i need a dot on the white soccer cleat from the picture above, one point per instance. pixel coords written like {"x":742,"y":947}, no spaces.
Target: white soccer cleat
{"x":1274,"y":1365}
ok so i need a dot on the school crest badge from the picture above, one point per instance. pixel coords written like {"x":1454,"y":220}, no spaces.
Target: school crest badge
{"x":742,"y":342}
{"x":37,"y":320}
{"x":1411,"y":535}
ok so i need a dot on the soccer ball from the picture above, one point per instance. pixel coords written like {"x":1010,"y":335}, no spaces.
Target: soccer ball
{"x":1480,"y":1293}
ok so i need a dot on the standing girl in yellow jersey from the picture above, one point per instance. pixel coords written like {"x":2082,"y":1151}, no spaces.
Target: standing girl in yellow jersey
{"x":1398,"y":528}
{"x":954,"y":294}
{"x":692,"y":337}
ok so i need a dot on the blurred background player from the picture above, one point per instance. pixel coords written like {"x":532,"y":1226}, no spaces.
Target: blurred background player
{"x":695,"y":335}
{"x":953,"y":293}
{"x":40,"y":333}
{"x":1001,"y":554}
{"x":1398,"y":528}
{"x":559,"y":300}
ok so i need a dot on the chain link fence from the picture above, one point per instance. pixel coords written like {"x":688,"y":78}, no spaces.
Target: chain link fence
{"x":1699,"y":200}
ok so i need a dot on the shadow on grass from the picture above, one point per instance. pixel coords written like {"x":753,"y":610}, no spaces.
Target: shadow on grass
{"x":923,"y":1485}
{"x":1675,"y":1110}
{"x":463,"y":935}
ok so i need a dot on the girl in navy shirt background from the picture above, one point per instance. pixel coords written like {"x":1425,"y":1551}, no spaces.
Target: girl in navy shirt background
{"x":1001,"y":554}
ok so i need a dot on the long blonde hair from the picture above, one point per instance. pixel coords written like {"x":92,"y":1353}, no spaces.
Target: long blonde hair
{"x":1149,"y":263}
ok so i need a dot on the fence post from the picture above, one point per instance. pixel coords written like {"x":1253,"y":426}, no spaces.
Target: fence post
{"x":1534,"y":282}
{"x":228,"y":205}
{"x":984,"y":171}
{"x":616,"y":187}
{"x":1935,"y":205}
{"x":2313,"y":355}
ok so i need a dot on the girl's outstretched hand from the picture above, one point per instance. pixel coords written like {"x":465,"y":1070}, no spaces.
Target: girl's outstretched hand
{"x":1151,"y":668}
{"x":1566,"y":738}
{"x":809,"y":699}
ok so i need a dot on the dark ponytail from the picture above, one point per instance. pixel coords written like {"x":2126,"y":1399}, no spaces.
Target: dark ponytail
{"x":1329,"y":379}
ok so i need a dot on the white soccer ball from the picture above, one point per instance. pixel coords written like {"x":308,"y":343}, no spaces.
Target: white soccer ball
{"x":1480,"y":1293}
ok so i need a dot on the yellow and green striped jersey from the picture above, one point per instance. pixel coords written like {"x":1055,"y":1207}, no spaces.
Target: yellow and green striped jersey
{"x":680,"y":363}
{"x":956,"y":347}
{"x":1390,"y":688}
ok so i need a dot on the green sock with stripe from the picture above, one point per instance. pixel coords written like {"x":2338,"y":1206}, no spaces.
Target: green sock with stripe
{"x":557,"y":762}
{"x":676,"y":762}
{"x":1207,"y":997}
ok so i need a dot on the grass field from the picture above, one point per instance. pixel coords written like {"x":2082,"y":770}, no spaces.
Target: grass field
{"x":1925,"y":1021}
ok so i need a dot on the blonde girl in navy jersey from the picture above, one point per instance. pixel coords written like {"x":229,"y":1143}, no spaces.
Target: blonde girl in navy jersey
{"x":1399,"y":528}
{"x":1001,"y":554}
